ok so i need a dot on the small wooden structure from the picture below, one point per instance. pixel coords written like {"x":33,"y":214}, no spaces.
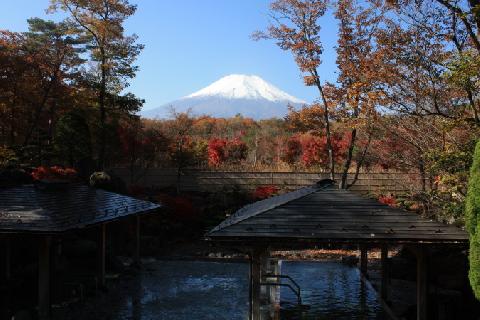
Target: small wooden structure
{"x":48,"y":212}
{"x":322,"y":214}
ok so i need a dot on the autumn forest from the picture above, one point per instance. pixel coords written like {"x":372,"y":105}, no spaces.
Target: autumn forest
{"x":406,"y":99}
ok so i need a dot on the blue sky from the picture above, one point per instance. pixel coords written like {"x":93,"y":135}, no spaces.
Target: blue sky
{"x":190,"y":43}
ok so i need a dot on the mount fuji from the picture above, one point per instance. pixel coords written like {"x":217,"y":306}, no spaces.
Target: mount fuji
{"x":248,"y":95}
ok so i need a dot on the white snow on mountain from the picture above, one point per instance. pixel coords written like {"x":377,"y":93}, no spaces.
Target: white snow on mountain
{"x":239,"y":86}
{"x":248,"y":95}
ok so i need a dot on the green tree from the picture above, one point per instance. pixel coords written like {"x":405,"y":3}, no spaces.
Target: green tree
{"x":56,"y":55}
{"x":72,"y":138}
{"x":114,"y":52}
{"x":473,"y":222}
{"x":39,"y":73}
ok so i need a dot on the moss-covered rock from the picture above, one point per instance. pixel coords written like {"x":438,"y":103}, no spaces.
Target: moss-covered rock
{"x":107,"y":181}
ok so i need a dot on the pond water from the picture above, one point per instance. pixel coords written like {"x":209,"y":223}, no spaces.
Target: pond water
{"x":181,"y":290}
{"x":331,"y":290}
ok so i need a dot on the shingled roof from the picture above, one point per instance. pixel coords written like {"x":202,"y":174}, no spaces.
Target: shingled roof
{"x":323,"y":213}
{"x":28,"y":208}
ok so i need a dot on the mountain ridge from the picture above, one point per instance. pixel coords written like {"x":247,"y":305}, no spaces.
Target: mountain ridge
{"x":248,"y":95}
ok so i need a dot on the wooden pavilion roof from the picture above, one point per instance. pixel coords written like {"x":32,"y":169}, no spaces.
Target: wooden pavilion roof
{"x":323,"y":214}
{"x":29,"y":208}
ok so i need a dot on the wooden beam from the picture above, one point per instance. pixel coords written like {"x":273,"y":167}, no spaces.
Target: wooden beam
{"x":364,"y":260}
{"x":101,"y":248}
{"x":44,"y":278}
{"x":255,"y":279}
{"x":384,"y":282}
{"x":136,"y":254}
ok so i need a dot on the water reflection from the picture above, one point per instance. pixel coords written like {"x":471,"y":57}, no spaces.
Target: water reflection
{"x":331,"y":290}
{"x":181,"y":290}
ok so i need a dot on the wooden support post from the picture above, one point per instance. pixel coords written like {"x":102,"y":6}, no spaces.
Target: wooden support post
{"x":101,"y":248}
{"x":364,"y":260}
{"x":255,"y":279}
{"x":384,"y":283}
{"x":275,"y":268}
{"x":136,"y":255}
{"x":44,"y":278}
{"x":422,"y":284}
{"x":8,"y":258}
{"x":265,"y":268}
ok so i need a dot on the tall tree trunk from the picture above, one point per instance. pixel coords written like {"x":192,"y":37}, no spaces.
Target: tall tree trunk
{"x":41,"y":106}
{"x":101,"y":102}
{"x":348,"y":160}
{"x":360,"y":163}
{"x":256,"y":151}
{"x":472,"y":106}
{"x":133,"y":156}
{"x":423,"y":176}
{"x":353,"y":139}
{"x":327,"y":125}
{"x":12,"y":119}
{"x":180,"y":165}
{"x":179,"y":177}
{"x":39,"y":110}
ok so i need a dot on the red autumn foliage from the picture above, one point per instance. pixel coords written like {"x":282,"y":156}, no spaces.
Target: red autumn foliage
{"x":216,"y":151}
{"x":138,"y":142}
{"x":312,"y":149}
{"x":264,"y":192}
{"x":389,"y":200}
{"x":222,"y":150}
{"x":236,"y":150}
{"x":54,"y":173}
{"x":182,"y":207}
{"x":293,"y":150}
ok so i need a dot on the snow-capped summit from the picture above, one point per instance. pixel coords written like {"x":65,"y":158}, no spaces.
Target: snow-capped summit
{"x":240,"y":86}
{"x":248,"y":95}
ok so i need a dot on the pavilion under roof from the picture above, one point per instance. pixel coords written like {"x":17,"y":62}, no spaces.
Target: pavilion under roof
{"x":32,"y":209}
{"x":324,"y":214}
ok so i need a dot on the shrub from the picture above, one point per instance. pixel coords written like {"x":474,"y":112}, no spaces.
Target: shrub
{"x":472,"y":216}
{"x":181,"y":208}
{"x":54,"y":173}
{"x":107,"y":181}
{"x":236,"y":150}
{"x":264,"y":192}
{"x":7,"y":157}
{"x":293,"y":150}
{"x":216,"y":151}
{"x":389,"y":200}
{"x":223,"y":150}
